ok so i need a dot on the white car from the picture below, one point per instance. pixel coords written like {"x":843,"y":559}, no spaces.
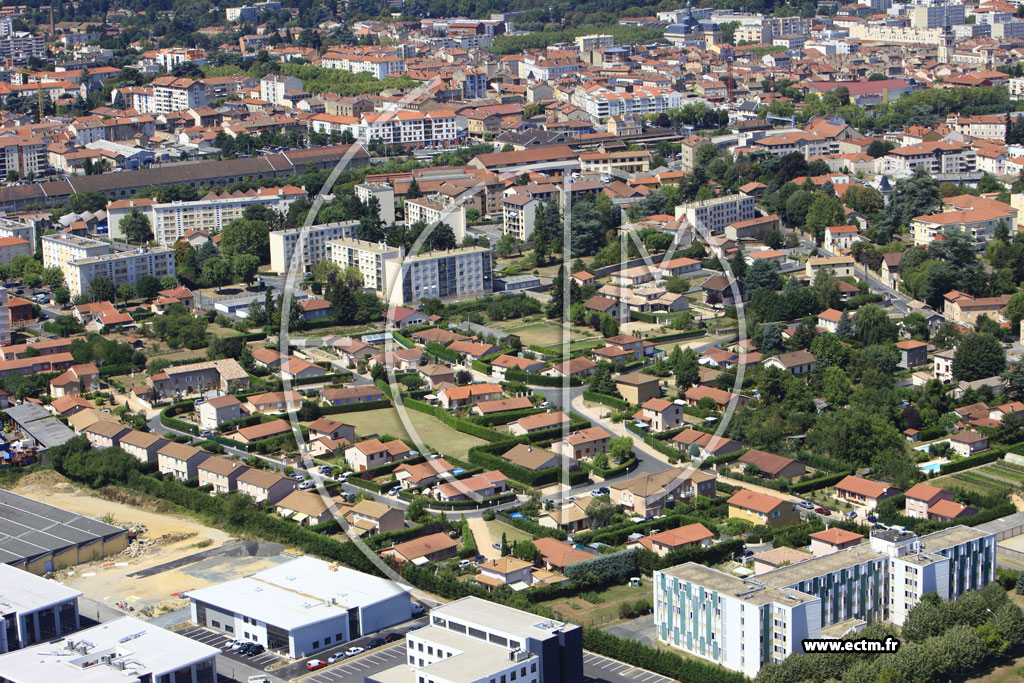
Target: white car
{"x":336,"y":657}
{"x":354,"y":650}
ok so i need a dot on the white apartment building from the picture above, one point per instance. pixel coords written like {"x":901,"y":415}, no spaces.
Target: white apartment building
{"x":61,"y":249}
{"x":876,"y":32}
{"x":5,"y":318}
{"x":438,"y":128}
{"x":938,"y":16}
{"x":122,"y":267}
{"x":172,"y":94}
{"x":310,"y":241}
{"x":23,"y":231}
{"x":403,"y":280}
{"x":519,"y":212}
{"x":173,"y":220}
{"x":20,"y":45}
{"x":23,"y":154}
{"x":431,"y":211}
{"x":710,"y":216}
{"x":743,"y":624}
{"x":378,"y":67}
{"x":594,"y":42}
{"x":385,"y":195}
{"x":273,"y":87}
{"x":475,"y":641}
{"x":934,"y":157}
{"x":601,"y":102}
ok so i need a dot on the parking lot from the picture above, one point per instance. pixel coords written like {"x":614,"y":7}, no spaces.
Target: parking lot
{"x":219,"y":640}
{"x":597,"y":668}
{"x":355,"y":669}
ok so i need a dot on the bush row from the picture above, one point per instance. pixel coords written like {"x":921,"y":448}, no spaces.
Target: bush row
{"x":488,"y":457}
{"x":610,"y":401}
{"x":818,"y":483}
{"x":537,"y":379}
{"x":355,"y":407}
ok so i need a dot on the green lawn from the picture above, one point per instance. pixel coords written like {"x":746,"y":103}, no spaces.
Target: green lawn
{"x":542,"y":334}
{"x":585,"y":613}
{"x":225,"y":332}
{"x":512,"y":534}
{"x":434,"y":433}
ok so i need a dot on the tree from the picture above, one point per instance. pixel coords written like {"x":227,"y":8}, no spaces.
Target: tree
{"x":874,"y":326}
{"x":978,"y":356}
{"x":771,"y":339}
{"x":245,"y":267}
{"x":1015,"y":310}
{"x":600,"y":512}
{"x":61,"y":296}
{"x":243,"y":236}
{"x":52,"y":276}
{"x":558,"y":305}
{"x":125,"y":291}
{"x":824,"y":211}
{"x":136,"y":227}
{"x":879,"y":148}
{"x":216,"y":273}
{"x":836,"y":386}
{"x":101,"y":288}
{"x":609,"y":328}
{"x":687,"y":369}
{"x":601,"y":381}
{"x":845,"y":329}
{"x":620,"y":449}
{"x":763,"y":274}
{"x":413,"y":191}
{"x":915,"y":196}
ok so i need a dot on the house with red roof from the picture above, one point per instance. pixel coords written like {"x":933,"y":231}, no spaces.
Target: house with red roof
{"x":664,"y":542}
{"x":862,"y":491}
{"x":920,"y":497}
{"x":660,"y":414}
{"x":832,"y":539}
{"x":402,"y":317}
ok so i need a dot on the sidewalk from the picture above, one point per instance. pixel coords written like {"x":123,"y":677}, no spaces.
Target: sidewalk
{"x":616,"y":428}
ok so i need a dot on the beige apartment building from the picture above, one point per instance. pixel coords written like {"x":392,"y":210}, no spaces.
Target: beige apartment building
{"x":61,"y":249}
{"x":710,"y":216}
{"x":121,"y":268}
{"x":311,"y":243}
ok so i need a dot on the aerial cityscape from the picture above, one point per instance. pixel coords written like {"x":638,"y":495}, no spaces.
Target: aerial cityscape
{"x":578,"y":342}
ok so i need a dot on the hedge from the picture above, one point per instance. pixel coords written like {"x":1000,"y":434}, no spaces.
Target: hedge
{"x":537,"y":379}
{"x":654,"y":442}
{"x":468,"y":548}
{"x":503,"y":418}
{"x":332,"y":378}
{"x":402,"y":339}
{"x":442,"y":352}
{"x":168,"y":420}
{"x":678,"y":336}
{"x":973,"y":461}
{"x":432,"y":504}
{"x":618,"y":534}
{"x":819,"y":483}
{"x":355,"y":407}
{"x":721,"y":459}
{"x":610,"y":401}
{"x":614,"y":568}
{"x":531,"y":527}
{"x":458,"y":423}
{"x":480,"y":366}
{"x":612,"y":472}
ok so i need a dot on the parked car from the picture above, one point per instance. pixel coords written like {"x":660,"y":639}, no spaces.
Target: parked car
{"x":315,"y":664}
{"x":851,"y":515}
{"x":256,"y":649}
{"x":299,"y":477}
{"x":375,"y":643}
{"x":392,"y":637}
{"x":308,"y":484}
{"x":496,"y":546}
{"x":342,"y":477}
{"x":605,"y":490}
{"x":823,"y":511}
{"x":336,"y":657}
{"x":872,"y":519}
{"x":354,"y":650}
{"x":417,"y":608}
{"x":596,"y":492}
{"x":394,"y":490}
{"x":806,"y":505}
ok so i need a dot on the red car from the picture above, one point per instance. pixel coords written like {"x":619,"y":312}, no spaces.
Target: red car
{"x":823,"y":511}
{"x":315,"y":664}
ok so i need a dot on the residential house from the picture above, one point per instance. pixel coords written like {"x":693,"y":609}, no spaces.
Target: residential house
{"x":505,"y":571}
{"x":264,"y":485}
{"x":504,"y":362}
{"x":402,"y":317}
{"x":143,"y":446}
{"x":221,"y":473}
{"x":431,"y":548}
{"x":306,"y":508}
{"x":372,"y":452}
{"x":83,"y":378}
{"x":332,"y":429}
{"x":422,"y":474}
{"x":274,"y":402}
{"x":795,"y":362}
{"x":920,"y":497}
{"x":664,"y":542}
{"x":556,"y":555}
{"x":570,"y":518}
{"x":912,"y":353}
{"x":576,"y":367}
{"x":398,"y":359}
{"x":437,"y":374}
{"x":365,"y":393}
{"x":483,"y":485}
{"x":502,"y":405}
{"x":180,"y":460}
{"x":636,"y":387}
{"x":260,"y":431}
{"x":722,"y":399}
{"x":950,"y":511}
{"x":660,"y":414}
{"x":297,"y":368}
{"x":371,"y":516}
{"x":706,"y":445}
{"x":832,"y":539}
{"x":968,"y":443}
{"x":864,"y":491}
{"x":216,"y":411}
{"x":105,"y":434}
{"x":535,"y":459}
{"x":770,"y":465}
{"x":538,"y":423}
{"x":645,"y":495}
{"x":583,"y":443}
{"x":761,"y":509}
{"x":353,"y":350}
{"x":452,"y":396}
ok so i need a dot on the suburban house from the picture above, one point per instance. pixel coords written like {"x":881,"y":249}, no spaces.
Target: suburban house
{"x":770,"y":465}
{"x":505,"y":571}
{"x":332,"y":429}
{"x":707,"y":445}
{"x":180,"y":460}
{"x":864,"y":491}
{"x":664,"y":542}
{"x":502,"y":405}
{"x":260,"y":431}
{"x":832,"y":539}
{"x":274,"y":402}
{"x":214,"y":412}
{"x":556,"y":555}
{"x":660,"y":414}
{"x":397,"y":360}
{"x":78,"y":379}
{"x":264,"y":485}
{"x":950,"y":511}
{"x":921,"y":497}
{"x":371,"y":516}
{"x":583,"y":443}
{"x":483,"y":485}
{"x":431,"y":548}
{"x":720,"y":397}
{"x":968,"y":443}
{"x":647,"y":494}
{"x":306,"y":508}
{"x":422,"y":474}
{"x":372,"y":452}
{"x":472,"y":350}
{"x":402,"y":317}
{"x":364,"y":393}
{"x":535,"y":459}
{"x":504,"y":362}
{"x":637,"y":387}
{"x":575,"y":367}
{"x":143,"y":446}
{"x":912,"y":353}
{"x":538,"y":422}
{"x":436,"y":374}
{"x":762,"y":509}
{"x":796,"y":362}
{"x":105,"y":433}
{"x":297,"y":368}
{"x":570,"y":518}
{"x":452,"y":396}
{"x":221,"y":473}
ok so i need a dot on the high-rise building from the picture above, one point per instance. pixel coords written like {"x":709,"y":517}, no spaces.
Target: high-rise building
{"x":125,"y":267}
{"x":311,"y":242}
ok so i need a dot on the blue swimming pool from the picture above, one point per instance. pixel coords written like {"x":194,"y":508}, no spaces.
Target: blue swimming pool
{"x":931,"y":467}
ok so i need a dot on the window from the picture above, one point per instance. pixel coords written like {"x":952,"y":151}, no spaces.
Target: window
{"x":316,"y":643}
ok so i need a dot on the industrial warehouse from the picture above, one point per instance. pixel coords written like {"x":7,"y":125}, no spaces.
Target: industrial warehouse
{"x":302,"y":606}
{"x":40,"y":538}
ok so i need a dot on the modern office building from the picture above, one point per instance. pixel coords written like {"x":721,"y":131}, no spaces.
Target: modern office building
{"x":126,"y":649}
{"x":743,"y":624}
{"x":475,"y":641}
{"x":122,"y":267}
{"x":173,"y":220}
{"x":304,"y":606}
{"x":710,"y":216}
{"x":402,"y":279}
{"x":311,"y":242}
{"x":34,"y":609}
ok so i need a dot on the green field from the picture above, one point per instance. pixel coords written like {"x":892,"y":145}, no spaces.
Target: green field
{"x":512,"y":534}
{"x":998,"y":477}
{"x":580,"y":611}
{"x":434,"y":433}
{"x":542,"y":334}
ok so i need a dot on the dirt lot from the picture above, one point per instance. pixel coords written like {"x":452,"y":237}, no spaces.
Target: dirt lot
{"x":174,"y":538}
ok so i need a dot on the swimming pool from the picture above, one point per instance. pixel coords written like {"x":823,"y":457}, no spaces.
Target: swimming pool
{"x":931,"y":467}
